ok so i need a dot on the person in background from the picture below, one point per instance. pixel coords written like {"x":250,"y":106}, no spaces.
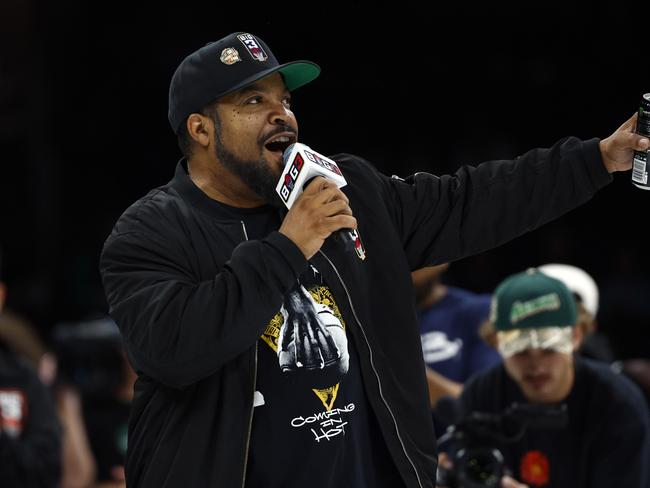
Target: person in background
{"x":594,"y":344}
{"x":92,"y":358}
{"x":78,"y":462}
{"x":21,"y":337}
{"x":107,"y":417}
{"x":449,"y":318}
{"x":605,"y":442}
{"x":30,"y":434}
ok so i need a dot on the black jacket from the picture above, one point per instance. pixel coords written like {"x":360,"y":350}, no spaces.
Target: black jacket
{"x":192,"y":296}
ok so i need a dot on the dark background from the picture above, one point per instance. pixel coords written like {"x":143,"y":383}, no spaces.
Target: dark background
{"x":84,"y":132}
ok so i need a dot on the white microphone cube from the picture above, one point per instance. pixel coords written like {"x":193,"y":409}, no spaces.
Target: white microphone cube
{"x":301,"y":165}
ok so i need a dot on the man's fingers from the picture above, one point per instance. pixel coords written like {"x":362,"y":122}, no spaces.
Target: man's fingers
{"x":508,"y":482}
{"x":337,"y":207}
{"x":629,"y":123}
{"x":323,"y":191}
{"x":340,"y":222}
{"x":317,"y":184}
{"x":320,"y":210}
{"x":641,"y":143}
{"x":634,"y":141}
{"x":444,"y":461}
{"x":330,"y":193}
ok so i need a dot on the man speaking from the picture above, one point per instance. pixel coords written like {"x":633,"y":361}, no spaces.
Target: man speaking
{"x":269,"y":354}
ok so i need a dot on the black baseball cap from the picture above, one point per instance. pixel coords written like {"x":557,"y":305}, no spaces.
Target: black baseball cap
{"x":225,"y":66}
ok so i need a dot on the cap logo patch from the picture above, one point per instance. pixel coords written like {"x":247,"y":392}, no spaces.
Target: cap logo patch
{"x":229,"y":56}
{"x":254,"y":47}
{"x":522,"y":310}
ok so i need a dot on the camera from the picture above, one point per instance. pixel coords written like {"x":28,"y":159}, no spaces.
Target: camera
{"x":475,"y":443}
{"x":89,"y":355}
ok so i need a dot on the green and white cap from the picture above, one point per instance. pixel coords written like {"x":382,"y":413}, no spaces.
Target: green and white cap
{"x":531,"y":310}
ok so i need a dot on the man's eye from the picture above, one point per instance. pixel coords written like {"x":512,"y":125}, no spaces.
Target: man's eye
{"x":254,"y":100}
{"x":287,"y":102}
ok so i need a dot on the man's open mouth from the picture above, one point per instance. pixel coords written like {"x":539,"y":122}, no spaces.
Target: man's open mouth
{"x":537,"y":381}
{"x":280,"y":142}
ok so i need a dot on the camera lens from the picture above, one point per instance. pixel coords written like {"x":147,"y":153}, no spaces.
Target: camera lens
{"x":479,"y":468}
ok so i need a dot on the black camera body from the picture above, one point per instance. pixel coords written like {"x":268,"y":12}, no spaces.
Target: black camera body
{"x":474,"y":444}
{"x":90,"y":356}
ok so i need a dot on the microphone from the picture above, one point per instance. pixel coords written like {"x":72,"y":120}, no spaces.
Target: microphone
{"x":301,"y":165}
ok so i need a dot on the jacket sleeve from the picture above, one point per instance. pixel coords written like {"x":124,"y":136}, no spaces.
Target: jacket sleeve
{"x":179,"y":330}
{"x":33,"y":458}
{"x":442,"y":219}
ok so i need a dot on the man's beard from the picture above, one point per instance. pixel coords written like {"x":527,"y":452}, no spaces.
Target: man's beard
{"x":256,"y":174}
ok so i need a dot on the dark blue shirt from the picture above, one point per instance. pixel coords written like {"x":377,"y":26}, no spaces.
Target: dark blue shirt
{"x":449,"y":331}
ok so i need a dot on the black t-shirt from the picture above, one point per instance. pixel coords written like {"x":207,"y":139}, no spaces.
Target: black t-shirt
{"x":312,"y":424}
{"x":606,"y":440}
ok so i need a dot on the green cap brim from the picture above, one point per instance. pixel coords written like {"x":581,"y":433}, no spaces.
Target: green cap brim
{"x":299,"y":73}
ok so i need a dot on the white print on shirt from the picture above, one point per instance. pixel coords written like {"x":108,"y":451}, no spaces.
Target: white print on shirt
{"x":312,"y":339}
{"x":258,"y":399}
{"x":330,"y":422}
{"x":12,"y":412}
{"x":309,"y":336}
{"x":437,"y":347}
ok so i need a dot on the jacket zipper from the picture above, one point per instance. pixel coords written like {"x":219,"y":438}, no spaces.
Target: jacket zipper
{"x":250,"y":418}
{"x":250,"y":422}
{"x":372,"y":364}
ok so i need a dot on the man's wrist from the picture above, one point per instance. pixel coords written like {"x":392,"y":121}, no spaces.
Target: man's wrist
{"x":611,"y":167}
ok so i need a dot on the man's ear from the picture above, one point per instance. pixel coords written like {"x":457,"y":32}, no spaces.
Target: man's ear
{"x":488,"y":333}
{"x":3,"y":295}
{"x":578,"y":336}
{"x":199,"y":128}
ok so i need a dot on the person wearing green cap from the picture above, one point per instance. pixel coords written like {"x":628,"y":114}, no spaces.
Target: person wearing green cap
{"x":606,"y":441}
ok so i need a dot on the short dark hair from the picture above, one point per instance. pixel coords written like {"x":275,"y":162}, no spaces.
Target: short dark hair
{"x":185,"y":141}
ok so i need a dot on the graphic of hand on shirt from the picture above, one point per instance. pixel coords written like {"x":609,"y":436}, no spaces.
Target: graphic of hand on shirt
{"x":312,"y":341}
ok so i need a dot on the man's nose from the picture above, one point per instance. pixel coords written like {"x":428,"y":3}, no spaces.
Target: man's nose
{"x":279,"y":114}
{"x":535,"y":352}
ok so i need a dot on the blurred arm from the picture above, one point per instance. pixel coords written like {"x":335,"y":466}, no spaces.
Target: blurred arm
{"x":440,"y":386}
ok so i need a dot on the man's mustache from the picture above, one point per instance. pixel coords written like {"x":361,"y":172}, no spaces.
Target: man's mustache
{"x":279,"y":130}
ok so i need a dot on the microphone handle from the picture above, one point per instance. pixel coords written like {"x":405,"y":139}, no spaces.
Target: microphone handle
{"x":344,"y":238}
{"x":341,"y":236}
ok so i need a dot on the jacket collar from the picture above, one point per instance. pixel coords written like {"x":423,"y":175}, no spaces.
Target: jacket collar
{"x":194,"y":196}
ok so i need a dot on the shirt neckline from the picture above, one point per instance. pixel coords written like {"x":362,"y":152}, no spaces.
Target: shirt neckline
{"x":194,"y":195}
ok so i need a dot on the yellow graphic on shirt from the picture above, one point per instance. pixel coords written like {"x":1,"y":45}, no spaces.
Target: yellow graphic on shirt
{"x":272,"y":331}
{"x":308,"y":335}
{"x":327,"y":395}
